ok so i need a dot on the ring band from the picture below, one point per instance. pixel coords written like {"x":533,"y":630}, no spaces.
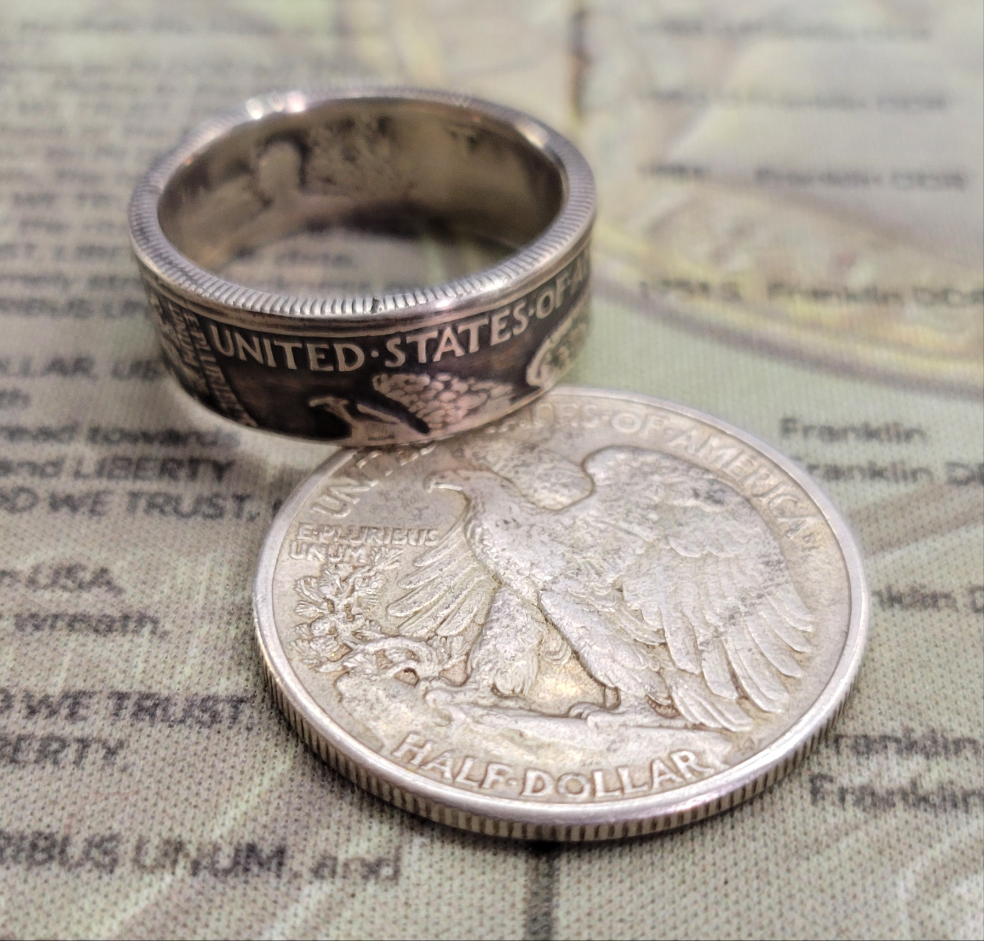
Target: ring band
{"x":393,"y":367}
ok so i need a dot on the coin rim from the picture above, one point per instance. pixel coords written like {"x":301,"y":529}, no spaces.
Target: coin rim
{"x":555,"y":820}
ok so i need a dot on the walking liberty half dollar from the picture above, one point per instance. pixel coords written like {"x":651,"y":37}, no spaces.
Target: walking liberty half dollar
{"x":603,"y":616}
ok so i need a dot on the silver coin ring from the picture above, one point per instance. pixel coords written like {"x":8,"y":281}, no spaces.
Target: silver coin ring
{"x":390,"y":367}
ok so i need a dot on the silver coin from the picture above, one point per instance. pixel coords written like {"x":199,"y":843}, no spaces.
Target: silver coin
{"x":603,"y":616}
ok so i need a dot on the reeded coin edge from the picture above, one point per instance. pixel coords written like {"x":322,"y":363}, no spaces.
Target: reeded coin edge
{"x":496,"y":816}
{"x":528,"y":265}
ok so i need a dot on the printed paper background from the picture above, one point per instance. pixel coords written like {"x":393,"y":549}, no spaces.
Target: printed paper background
{"x":789,"y":237}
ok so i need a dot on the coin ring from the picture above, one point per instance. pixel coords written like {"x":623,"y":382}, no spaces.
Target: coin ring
{"x":402,"y":365}
{"x":506,"y":816}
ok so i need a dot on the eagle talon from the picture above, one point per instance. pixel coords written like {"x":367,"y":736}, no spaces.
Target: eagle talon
{"x":600,"y":717}
{"x":596,"y":717}
{"x":448,"y":697}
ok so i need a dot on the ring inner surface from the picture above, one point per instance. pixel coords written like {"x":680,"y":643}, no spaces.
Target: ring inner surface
{"x":361,"y":195}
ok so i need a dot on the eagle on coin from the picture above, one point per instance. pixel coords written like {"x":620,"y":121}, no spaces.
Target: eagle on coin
{"x":663,"y":581}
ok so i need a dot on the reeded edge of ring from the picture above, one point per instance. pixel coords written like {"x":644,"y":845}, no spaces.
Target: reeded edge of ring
{"x":567,"y":822}
{"x":525,"y":268}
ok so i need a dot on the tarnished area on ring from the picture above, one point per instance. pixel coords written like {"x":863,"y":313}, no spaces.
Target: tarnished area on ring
{"x":600,"y":616}
{"x":405,"y":364}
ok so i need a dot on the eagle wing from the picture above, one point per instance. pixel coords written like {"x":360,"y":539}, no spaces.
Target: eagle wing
{"x":453,"y":601}
{"x":442,"y":400}
{"x":716,"y":584}
{"x":449,"y":591}
{"x":676,"y":589}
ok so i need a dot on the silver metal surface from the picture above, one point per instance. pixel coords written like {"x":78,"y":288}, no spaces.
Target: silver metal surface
{"x":602,"y":616}
{"x":403,"y":364}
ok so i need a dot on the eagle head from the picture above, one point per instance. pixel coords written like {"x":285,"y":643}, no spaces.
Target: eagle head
{"x":484,"y":490}
{"x":463,"y":479}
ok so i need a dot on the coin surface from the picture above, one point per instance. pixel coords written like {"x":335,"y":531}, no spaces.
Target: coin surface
{"x":605,"y":615}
